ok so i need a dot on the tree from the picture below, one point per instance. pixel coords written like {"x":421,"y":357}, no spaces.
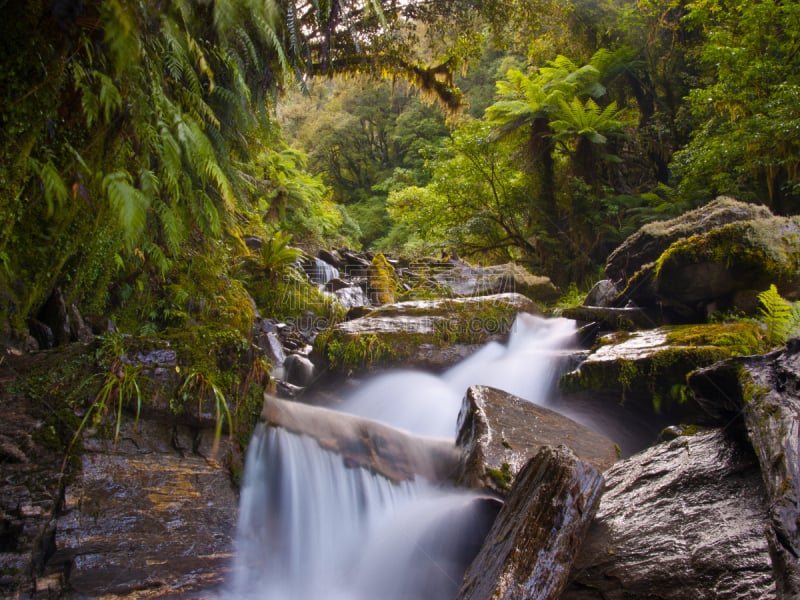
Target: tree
{"x":746,"y":143}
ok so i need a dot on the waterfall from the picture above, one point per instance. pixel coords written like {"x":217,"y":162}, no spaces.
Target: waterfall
{"x":313,"y":528}
{"x":425,"y":404}
{"x":310,"y":528}
{"x":319,"y":272}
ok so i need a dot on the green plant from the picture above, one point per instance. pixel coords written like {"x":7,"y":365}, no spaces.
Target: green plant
{"x":201,"y":384}
{"x":777,"y":314}
{"x":120,"y":385}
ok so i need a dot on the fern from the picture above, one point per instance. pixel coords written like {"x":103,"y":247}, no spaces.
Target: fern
{"x":777,"y":314}
{"x":128,"y":203}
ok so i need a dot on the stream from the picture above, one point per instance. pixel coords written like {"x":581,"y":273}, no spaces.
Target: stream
{"x":312,"y":528}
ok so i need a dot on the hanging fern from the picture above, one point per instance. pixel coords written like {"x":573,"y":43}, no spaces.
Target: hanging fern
{"x":777,"y":314}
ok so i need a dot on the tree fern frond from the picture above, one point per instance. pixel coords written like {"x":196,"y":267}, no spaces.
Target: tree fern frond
{"x":127,"y":202}
{"x":110,"y":98}
{"x":53,"y":186}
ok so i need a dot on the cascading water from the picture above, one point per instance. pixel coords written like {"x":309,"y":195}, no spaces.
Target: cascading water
{"x":427,"y":404}
{"x":312,"y":528}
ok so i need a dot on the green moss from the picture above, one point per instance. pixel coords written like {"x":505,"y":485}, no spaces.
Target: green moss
{"x":382,"y":280}
{"x":501,"y":477}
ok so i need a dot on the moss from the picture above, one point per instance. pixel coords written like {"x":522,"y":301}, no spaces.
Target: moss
{"x":382,"y":281}
{"x":501,"y":477}
{"x":660,"y":376}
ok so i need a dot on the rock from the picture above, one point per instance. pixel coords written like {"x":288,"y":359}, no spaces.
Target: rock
{"x":646,"y":370}
{"x":713,"y":271}
{"x":148,"y":514}
{"x":649,"y":242}
{"x":466,"y":280}
{"x":615,"y":319}
{"x":528,"y":551}
{"x":603,"y":293}
{"x":430,"y":335}
{"x":679,"y":521}
{"x":354,"y":264}
{"x":351,"y":297}
{"x":364,"y":443}
{"x":41,"y":333}
{"x":54,"y":314}
{"x":765,"y":390}
{"x":331,"y":257}
{"x":265,"y":337}
{"x":716,"y":258}
{"x":299,"y":370}
{"x":336,"y":284}
{"x":499,"y":433}
{"x":382,"y":284}
{"x":79,"y":331}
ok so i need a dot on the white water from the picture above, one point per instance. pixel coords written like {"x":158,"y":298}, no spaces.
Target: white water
{"x":312,"y":529}
{"x":427,"y":404}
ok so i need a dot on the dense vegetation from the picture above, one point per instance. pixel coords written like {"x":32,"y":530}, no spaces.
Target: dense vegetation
{"x":144,"y":141}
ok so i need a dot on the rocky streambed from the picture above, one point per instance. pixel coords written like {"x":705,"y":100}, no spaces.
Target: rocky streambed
{"x":664,"y":467}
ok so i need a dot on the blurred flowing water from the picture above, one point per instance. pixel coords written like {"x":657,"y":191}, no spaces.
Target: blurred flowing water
{"x":312,"y":528}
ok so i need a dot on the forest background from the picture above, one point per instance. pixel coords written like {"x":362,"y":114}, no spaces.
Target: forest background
{"x":143,"y":143}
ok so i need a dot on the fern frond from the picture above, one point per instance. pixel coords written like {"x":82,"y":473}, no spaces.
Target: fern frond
{"x":127,"y":202}
{"x":776,"y":314}
{"x":55,"y":190}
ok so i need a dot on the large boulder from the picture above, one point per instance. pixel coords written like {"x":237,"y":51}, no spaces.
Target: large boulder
{"x":425,"y":334}
{"x":500,"y":432}
{"x":682,"y":520}
{"x":651,"y":240}
{"x":716,"y":258}
{"x":764,"y":391}
{"x":726,"y":267}
{"x":647,"y":370}
{"x":528,"y":551}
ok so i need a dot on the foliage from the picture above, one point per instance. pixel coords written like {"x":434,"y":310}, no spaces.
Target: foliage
{"x":745,"y":143}
{"x":779,"y":316}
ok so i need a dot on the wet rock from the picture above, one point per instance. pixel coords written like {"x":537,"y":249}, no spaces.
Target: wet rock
{"x":765,"y":392}
{"x":352,"y":297}
{"x":430,"y":335}
{"x":336,"y":284}
{"x":151,"y":514}
{"x":499,"y":433}
{"x":647,"y":244}
{"x":332,"y":257}
{"x":467,"y":280}
{"x":265,"y":337}
{"x":528,"y":552}
{"x":364,"y":443}
{"x":298,"y":370}
{"x":682,"y":520}
{"x":647,"y":370}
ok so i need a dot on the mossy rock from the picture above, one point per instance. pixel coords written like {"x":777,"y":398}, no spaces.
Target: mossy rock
{"x":652,"y":239}
{"x":648,"y":370}
{"x":431,"y":335}
{"x":382,"y":283}
{"x":723,"y":269}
